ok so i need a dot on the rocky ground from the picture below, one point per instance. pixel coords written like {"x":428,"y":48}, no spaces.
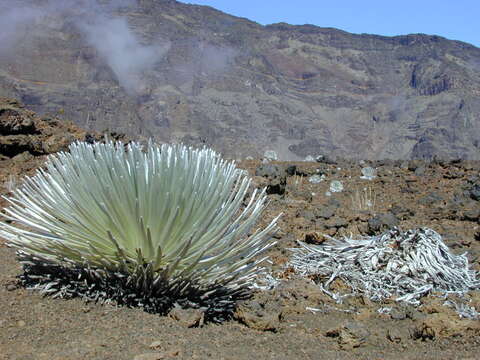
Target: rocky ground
{"x":294,"y":320}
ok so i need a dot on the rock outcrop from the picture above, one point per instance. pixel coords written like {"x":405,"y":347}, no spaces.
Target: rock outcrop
{"x":244,"y":88}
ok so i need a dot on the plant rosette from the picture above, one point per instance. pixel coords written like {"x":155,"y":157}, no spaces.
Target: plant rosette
{"x":149,"y":226}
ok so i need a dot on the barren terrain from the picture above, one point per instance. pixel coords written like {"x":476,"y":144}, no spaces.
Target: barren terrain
{"x":240,"y":87}
{"x":294,"y":320}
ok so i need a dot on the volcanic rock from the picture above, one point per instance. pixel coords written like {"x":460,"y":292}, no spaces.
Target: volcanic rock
{"x":244,"y":88}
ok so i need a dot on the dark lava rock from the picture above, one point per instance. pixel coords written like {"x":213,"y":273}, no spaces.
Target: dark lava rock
{"x":472,"y":214}
{"x":11,"y":145}
{"x":475,"y":192}
{"x":459,"y":200}
{"x":351,"y":335}
{"x":300,"y":194}
{"x":325,"y":212}
{"x":430,"y":199}
{"x":381,"y":223}
{"x":22,"y":157}
{"x":325,"y":159}
{"x":334,"y":203}
{"x":398,"y":313}
{"x":269,"y":171}
{"x":188,"y":317}
{"x":307,"y":170}
{"x":413,"y":165}
{"x":258,"y":315}
{"x":89,"y":138}
{"x":314,"y":238}
{"x":307,"y":215}
{"x":57,"y":143}
{"x":23,"y":134}
{"x":291,"y":170}
{"x":395,"y":335}
{"x":14,"y":122}
{"x":277,"y":179}
{"x":420,"y":171}
{"x":401,"y":212}
{"x":336,"y":222}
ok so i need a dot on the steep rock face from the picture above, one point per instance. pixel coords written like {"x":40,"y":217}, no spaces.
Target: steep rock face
{"x":245,"y":88}
{"x":24,"y":135}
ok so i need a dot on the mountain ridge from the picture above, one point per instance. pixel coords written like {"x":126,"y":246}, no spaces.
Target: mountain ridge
{"x":244,"y":88}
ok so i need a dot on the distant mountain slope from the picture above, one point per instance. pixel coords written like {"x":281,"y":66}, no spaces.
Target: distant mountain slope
{"x":194,"y":74}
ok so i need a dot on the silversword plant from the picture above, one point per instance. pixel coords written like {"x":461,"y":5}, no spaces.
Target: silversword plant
{"x":139,"y":225}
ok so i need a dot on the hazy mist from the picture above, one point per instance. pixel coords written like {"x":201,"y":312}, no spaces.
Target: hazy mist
{"x":109,"y":34}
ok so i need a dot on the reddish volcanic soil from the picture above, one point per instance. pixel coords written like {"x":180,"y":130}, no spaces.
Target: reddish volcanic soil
{"x":275,"y":324}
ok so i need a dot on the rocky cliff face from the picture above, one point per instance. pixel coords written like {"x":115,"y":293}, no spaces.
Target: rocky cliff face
{"x":190,"y":73}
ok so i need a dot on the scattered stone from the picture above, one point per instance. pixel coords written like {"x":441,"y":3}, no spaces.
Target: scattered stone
{"x":277,"y":179}
{"x":325,"y":159}
{"x":258,"y":316}
{"x":411,"y":179}
{"x":57,"y":143}
{"x":420,"y":171}
{"x":325,"y":212}
{"x":300,"y":288}
{"x":414,"y":314}
{"x":11,"y":287}
{"x":414,"y":164}
{"x":472,"y":214}
{"x":381,"y":223}
{"x":475,"y":192}
{"x":451,"y":174}
{"x":291,"y":170}
{"x":89,"y":138}
{"x":334,"y":203}
{"x":155,"y":345}
{"x":352,"y":335}
{"x":444,"y":325}
{"x":269,"y":171}
{"x":336,"y":222}
{"x":398,"y":314}
{"x":22,"y":157}
{"x":430,"y":199}
{"x":188,"y":317}
{"x":301,"y":194}
{"x":314,"y":238}
{"x":394,"y":335}
{"x":306,"y":170}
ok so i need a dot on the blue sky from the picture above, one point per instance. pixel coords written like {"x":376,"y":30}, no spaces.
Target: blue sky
{"x":453,"y":19}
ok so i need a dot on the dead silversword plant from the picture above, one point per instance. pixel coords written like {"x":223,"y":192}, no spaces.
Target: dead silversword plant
{"x":153,"y":226}
{"x":404,"y":265}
